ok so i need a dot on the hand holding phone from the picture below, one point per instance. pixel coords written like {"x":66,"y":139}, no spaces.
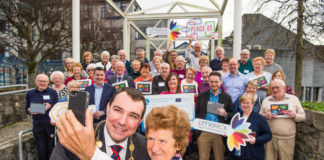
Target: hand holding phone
{"x":78,"y":103}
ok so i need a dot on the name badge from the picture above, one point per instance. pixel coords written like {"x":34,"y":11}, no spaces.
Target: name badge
{"x":246,"y":71}
{"x":181,"y":76}
{"x":201,"y":78}
{"x":161,"y":84}
{"x":46,"y":97}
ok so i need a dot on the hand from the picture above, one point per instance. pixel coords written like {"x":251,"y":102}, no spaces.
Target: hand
{"x":222,"y":112}
{"x":75,"y":137}
{"x":290,"y":113}
{"x":268,"y":115}
{"x":52,"y":123}
{"x":97,"y":114}
{"x":169,"y":44}
{"x":48,"y":106}
{"x":265,"y":88}
{"x":251,"y":139}
{"x":191,"y":38}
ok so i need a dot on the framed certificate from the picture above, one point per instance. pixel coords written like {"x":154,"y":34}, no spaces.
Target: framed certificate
{"x":84,"y":83}
{"x":279,"y":109}
{"x":189,"y":88}
{"x":144,"y":87}
{"x":120,"y":85}
{"x":261,"y":80}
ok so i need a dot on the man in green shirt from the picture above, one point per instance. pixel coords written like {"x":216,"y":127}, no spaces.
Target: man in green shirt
{"x":245,"y":62}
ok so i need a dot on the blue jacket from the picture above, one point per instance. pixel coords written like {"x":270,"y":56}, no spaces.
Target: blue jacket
{"x":47,"y":96}
{"x":107,"y":92}
{"x":263,"y":134}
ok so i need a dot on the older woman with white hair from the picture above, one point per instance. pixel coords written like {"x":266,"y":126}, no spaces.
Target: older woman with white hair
{"x":90,"y":71}
{"x":57,"y":77}
{"x":104,"y":60}
{"x":112,"y":71}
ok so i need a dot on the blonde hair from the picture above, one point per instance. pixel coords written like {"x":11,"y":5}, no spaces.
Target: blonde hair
{"x":87,"y":53}
{"x":66,"y":62}
{"x":246,"y":97}
{"x":77,"y":64}
{"x":191,"y":69}
{"x":272,"y":51}
{"x":157,"y":58}
{"x":204,"y":58}
{"x":258,"y":59}
{"x":253,"y":83}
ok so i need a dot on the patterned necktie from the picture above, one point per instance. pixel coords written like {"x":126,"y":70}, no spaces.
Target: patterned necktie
{"x":119,"y":78}
{"x":116,"y":149}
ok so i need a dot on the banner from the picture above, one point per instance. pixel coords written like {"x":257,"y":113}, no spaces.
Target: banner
{"x":182,"y":101}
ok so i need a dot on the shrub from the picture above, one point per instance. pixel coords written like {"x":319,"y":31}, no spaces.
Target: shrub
{"x":318,"y":106}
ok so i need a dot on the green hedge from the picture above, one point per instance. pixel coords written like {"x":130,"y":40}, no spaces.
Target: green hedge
{"x":319,"y":106}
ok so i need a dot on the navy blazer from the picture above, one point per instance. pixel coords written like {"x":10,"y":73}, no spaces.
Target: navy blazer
{"x":263,"y":134}
{"x":128,"y":78}
{"x":107,"y":92}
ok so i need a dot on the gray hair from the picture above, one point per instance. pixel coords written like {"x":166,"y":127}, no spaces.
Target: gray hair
{"x":105,"y":53}
{"x":56,"y":72}
{"x":41,"y":74}
{"x":91,"y":65}
{"x":283,"y":84}
{"x":180,"y":57}
{"x":158,"y":50}
{"x":120,"y":62}
{"x":121,"y":51}
{"x":139,"y":50}
{"x":206,"y":67}
{"x":114,"y":57}
{"x":165,"y":64}
{"x":245,"y":51}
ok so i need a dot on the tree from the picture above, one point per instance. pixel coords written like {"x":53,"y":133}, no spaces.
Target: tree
{"x":99,"y":32}
{"x":37,"y":30}
{"x":306,"y":19}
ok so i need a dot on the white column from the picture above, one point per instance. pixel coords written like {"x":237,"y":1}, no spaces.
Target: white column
{"x":76,"y":30}
{"x":237,"y":28}
{"x":126,"y":38}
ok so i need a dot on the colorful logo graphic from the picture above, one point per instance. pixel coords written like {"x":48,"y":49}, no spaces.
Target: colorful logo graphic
{"x":239,"y":132}
{"x":119,"y":87}
{"x":189,"y":88}
{"x":144,"y":88}
{"x":174,"y":31}
{"x":279,"y":109}
{"x":262,"y":81}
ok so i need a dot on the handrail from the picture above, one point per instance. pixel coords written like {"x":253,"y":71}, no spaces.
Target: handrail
{"x":15,"y":85}
{"x":12,"y":92}
{"x":20,"y":147}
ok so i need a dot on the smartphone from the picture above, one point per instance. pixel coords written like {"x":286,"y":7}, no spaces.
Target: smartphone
{"x":78,"y":103}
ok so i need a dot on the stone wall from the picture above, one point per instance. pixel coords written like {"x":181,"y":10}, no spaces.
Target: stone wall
{"x":12,"y":108}
{"x":9,"y":151}
{"x":310,"y":137}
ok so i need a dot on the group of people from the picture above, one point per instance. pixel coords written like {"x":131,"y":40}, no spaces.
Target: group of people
{"x":244,"y":86}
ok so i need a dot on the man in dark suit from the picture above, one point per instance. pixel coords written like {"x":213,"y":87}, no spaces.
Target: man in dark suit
{"x":213,"y":96}
{"x":215,"y":64}
{"x":125,"y":113}
{"x":120,"y":76}
{"x":100,"y":94}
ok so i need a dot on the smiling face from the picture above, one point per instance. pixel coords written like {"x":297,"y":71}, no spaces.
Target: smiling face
{"x":233,"y":66}
{"x":278,"y":75}
{"x":88,"y":59}
{"x":251,"y":89}
{"x":76,"y":71}
{"x":99,"y":76}
{"x":269,"y":58}
{"x":113,"y":63}
{"x":180,"y":63}
{"x":219,"y":53}
{"x":41,"y":82}
{"x":225,"y":66}
{"x":104,"y":58}
{"x":190,"y":76}
{"x":145,"y":72}
{"x":246,"y":106}
{"x":214,"y":83}
{"x":258,"y":66}
{"x":197,"y":48}
{"x":245,"y":56}
{"x":173,"y":56}
{"x":122,"y":55}
{"x":69,"y":64}
{"x":136,"y":66}
{"x":160,"y":144}
{"x":173,"y":83}
{"x":278,"y":91}
{"x":205,"y":73}
{"x":123,"y":117}
{"x":120,"y":68}
{"x":164,"y":70}
{"x":157,"y":64}
{"x":57,"y":79}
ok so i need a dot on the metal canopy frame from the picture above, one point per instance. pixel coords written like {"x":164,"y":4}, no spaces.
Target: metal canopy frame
{"x":131,"y":17}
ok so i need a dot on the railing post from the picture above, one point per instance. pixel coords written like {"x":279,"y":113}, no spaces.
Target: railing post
{"x":20,"y":147}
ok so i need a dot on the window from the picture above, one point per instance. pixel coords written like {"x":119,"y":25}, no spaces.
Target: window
{"x":308,"y":94}
{"x":108,"y":13}
{"x":316,"y":94}
{"x":138,"y":36}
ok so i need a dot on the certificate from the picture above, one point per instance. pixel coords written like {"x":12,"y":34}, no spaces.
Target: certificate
{"x":189,"y":88}
{"x":84,"y":83}
{"x":144,"y":87}
{"x":182,"y":101}
{"x":279,"y":109}
{"x":261,"y":80}
{"x":120,"y":85}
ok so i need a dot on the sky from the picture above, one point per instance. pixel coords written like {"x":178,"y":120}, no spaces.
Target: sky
{"x":248,"y":6}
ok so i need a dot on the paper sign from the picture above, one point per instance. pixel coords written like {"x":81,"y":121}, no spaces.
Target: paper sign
{"x":144,"y":87}
{"x":182,"y":101}
{"x":189,"y":88}
{"x":213,"y":107}
{"x":279,"y":109}
{"x":237,"y":132}
{"x":120,"y":85}
{"x":57,"y":110}
{"x":261,"y":80}
{"x":84,"y":83}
